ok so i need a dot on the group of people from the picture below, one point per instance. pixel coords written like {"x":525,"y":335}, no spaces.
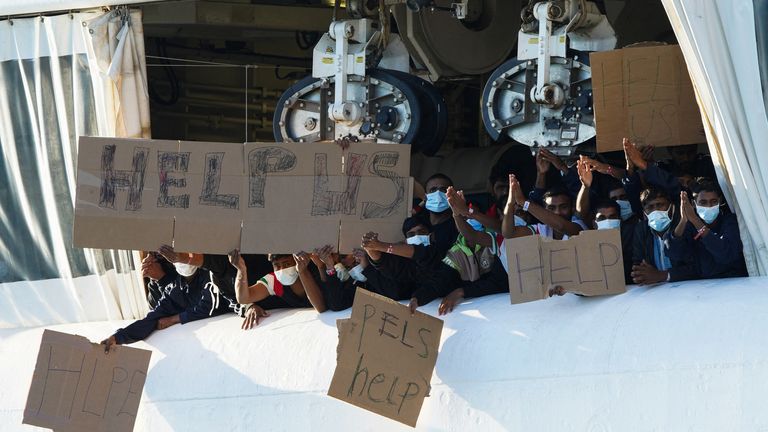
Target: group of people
{"x":674,"y":223}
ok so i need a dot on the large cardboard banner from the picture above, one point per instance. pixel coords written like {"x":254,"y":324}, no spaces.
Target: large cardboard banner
{"x":645,"y":94}
{"x":77,"y":387}
{"x":589,"y":264}
{"x":259,"y":197}
{"x":386,"y":357}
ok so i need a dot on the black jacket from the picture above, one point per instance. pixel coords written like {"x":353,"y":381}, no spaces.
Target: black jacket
{"x":719,"y":254}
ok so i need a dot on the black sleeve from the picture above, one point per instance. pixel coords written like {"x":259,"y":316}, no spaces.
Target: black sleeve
{"x":378,"y":283}
{"x":338,"y":295}
{"x":141,"y":329}
{"x":216,"y":264}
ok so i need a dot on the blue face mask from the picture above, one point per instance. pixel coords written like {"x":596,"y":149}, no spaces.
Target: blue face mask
{"x":708,"y":214}
{"x":659,"y":220}
{"x":608,"y":224}
{"x":418,"y":240}
{"x":437,"y":202}
{"x":477,"y":226}
{"x":520,"y":221}
{"x":626,"y":209}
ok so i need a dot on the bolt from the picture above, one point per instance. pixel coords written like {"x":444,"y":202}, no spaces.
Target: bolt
{"x":301,"y":105}
{"x":362,"y":105}
{"x":282,"y":123}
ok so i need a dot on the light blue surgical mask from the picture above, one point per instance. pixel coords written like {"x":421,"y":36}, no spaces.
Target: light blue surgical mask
{"x":708,"y":214}
{"x":626,"y":209}
{"x":418,"y":240}
{"x":608,"y":224}
{"x":475,"y":224}
{"x":437,"y":202}
{"x":520,"y":221}
{"x":659,"y":220}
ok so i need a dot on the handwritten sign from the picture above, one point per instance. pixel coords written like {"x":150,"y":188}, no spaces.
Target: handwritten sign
{"x":644,"y":93}
{"x":259,"y":197}
{"x":589,"y":264}
{"x":385,"y":357}
{"x":77,"y":387}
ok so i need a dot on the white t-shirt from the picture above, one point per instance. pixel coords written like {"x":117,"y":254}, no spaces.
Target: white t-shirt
{"x":548,"y":232}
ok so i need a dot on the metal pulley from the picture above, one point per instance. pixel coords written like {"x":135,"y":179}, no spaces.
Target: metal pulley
{"x":387,"y":108}
{"x":508,"y":108}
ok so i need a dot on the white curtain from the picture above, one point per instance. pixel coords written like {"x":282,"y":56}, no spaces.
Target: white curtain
{"x":62,"y":77}
{"x":719,"y":45}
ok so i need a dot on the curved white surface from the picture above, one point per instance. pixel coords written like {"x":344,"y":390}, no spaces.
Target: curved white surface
{"x":682,"y":356}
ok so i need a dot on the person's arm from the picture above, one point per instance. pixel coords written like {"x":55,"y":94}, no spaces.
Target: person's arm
{"x":508,"y":227}
{"x":583,"y":209}
{"x":686,"y":210}
{"x":652,"y":173}
{"x":542,"y":168}
{"x":725,"y":243}
{"x":460,"y":213}
{"x":314,"y":294}
{"x":245,"y":293}
{"x":337,"y":295}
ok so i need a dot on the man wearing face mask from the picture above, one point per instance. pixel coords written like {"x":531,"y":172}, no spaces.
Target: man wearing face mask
{"x":708,"y":234}
{"x":650,"y":257}
{"x":187,"y":295}
{"x":608,"y":216}
{"x":444,"y":231}
{"x":295,"y":280}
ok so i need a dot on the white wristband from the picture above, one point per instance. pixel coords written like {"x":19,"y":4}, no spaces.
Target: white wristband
{"x":526,"y":205}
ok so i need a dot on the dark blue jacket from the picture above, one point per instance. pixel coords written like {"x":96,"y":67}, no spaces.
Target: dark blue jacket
{"x":718,"y":254}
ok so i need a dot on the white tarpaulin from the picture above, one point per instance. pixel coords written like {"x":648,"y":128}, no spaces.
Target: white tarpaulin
{"x":62,"y":77}
{"x":631,"y":362}
{"x":719,"y":45}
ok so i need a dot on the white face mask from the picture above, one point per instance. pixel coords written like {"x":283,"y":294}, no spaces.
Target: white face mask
{"x":185,"y":270}
{"x":418,"y":240}
{"x":708,"y":214}
{"x":356,"y":273}
{"x":341,"y":272}
{"x":287,"y":276}
{"x":659,"y":220}
{"x":608,"y":224}
{"x":626,"y":209}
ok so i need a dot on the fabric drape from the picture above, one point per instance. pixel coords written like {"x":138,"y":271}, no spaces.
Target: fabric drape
{"x":719,"y":45}
{"x":63,"y":77}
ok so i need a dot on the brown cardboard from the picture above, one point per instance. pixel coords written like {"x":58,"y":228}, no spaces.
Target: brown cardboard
{"x":589,"y":264}
{"x":259,"y":197}
{"x":77,"y":387}
{"x":645,"y":94}
{"x":214,"y":184}
{"x":386,"y":357}
{"x":121,"y":217}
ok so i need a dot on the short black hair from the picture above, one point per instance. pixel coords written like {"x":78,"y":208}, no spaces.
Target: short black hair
{"x":499,"y":173}
{"x":606,"y":203}
{"x":651,"y":193}
{"x":413,"y":221}
{"x":705,"y":184}
{"x":439,"y":176}
{"x":556,"y":191}
{"x":274,"y":257}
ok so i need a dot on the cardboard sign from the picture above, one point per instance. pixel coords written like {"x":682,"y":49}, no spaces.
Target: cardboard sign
{"x":589,"y":264}
{"x":259,"y":197}
{"x":385,"y":357}
{"x":645,"y":94}
{"x":77,"y":387}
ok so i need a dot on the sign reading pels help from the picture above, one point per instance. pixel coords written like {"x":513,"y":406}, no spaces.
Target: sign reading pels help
{"x":259,"y":197}
{"x":386,"y":357}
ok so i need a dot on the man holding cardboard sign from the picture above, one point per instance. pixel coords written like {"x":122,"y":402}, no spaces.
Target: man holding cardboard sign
{"x":589,"y":264}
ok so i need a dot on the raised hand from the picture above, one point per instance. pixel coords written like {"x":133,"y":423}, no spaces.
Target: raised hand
{"x":542,"y":163}
{"x":553,"y":159}
{"x":302,"y":261}
{"x":237,"y":260}
{"x":516,"y":195}
{"x":585,"y":171}
{"x":634,"y":156}
{"x":457,"y":202}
